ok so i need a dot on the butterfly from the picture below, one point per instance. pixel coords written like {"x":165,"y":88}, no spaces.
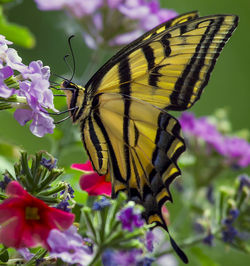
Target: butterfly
{"x":123,"y":110}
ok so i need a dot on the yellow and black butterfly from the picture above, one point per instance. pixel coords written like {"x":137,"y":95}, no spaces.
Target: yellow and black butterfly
{"x":123,"y":110}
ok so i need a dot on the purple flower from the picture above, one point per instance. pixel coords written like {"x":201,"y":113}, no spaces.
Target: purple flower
{"x":125,"y":19}
{"x":208,"y":240}
{"x":25,"y":253}
{"x":50,"y":4}
{"x":33,"y":89}
{"x":41,"y":123}
{"x":79,"y":8}
{"x":244,"y":182}
{"x":63,"y":205}
{"x":156,"y":15}
{"x":36,"y":70}
{"x":36,"y":90}
{"x":3,"y":44}
{"x":134,"y":9}
{"x":49,"y":164}
{"x":101,"y":204}
{"x":5,"y":182}
{"x":5,"y":72}
{"x":198,"y":227}
{"x":9,"y":56}
{"x":114,"y":3}
{"x":38,"y":96}
{"x":232,"y":216}
{"x":229,"y":233}
{"x":146,"y":261}
{"x":125,"y":37}
{"x":130,"y":217}
{"x":121,"y":258}
{"x":201,"y":128}
{"x":69,"y":246}
{"x":149,"y":241}
{"x":234,"y":149}
{"x":239,"y":149}
{"x":12,"y":59}
{"x":107,"y":258}
{"x":83,"y":8}
{"x":70,"y":191}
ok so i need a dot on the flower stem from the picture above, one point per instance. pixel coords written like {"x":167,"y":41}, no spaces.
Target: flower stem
{"x":97,"y":258}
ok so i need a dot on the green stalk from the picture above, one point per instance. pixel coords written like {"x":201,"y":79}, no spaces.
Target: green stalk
{"x":104,"y":214}
{"x":86,"y":212}
{"x":55,"y":190}
{"x":27,"y":172}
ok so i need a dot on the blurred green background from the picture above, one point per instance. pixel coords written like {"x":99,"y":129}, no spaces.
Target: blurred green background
{"x":228,"y":87}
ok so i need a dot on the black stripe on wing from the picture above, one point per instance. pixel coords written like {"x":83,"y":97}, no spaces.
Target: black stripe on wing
{"x":125,"y":87}
{"x":183,"y":90}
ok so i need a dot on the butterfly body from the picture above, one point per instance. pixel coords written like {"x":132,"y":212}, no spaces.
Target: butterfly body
{"x":123,"y":110}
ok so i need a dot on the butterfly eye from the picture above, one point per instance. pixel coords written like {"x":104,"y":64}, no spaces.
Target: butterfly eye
{"x":66,"y":84}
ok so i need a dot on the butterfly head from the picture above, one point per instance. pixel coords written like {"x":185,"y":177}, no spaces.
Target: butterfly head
{"x":75,"y":96}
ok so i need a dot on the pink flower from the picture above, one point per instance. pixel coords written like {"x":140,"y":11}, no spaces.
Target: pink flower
{"x":26,"y":221}
{"x":91,"y":182}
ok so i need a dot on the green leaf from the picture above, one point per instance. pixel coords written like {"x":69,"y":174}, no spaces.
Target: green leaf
{"x":204,"y":260}
{"x":5,"y":164}
{"x":4,"y":255}
{"x":19,"y":35}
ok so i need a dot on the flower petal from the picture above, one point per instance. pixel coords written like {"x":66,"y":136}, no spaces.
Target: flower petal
{"x":11,"y":233}
{"x":60,"y":219}
{"x":15,"y":189}
{"x":85,"y":167}
{"x":23,"y":116}
{"x":95,"y":185}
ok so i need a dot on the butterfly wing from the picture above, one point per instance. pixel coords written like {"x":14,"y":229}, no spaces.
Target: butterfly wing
{"x":94,"y":81}
{"x":169,"y":69}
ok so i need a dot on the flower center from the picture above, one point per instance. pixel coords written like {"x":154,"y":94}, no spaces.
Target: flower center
{"x":71,"y":251}
{"x":31,"y":213}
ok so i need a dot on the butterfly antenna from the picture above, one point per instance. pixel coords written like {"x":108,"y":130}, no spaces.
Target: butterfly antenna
{"x":73,"y":57}
{"x":54,"y":83}
{"x":59,"y":76}
{"x":53,"y":87}
{"x":60,"y":121}
{"x":68,"y":65}
{"x":62,"y":112}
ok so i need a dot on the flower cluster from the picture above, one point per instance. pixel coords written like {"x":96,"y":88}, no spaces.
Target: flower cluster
{"x":101,"y":204}
{"x":130,"y":217}
{"x":236,"y":150}
{"x":31,"y":85}
{"x":26,"y":221}
{"x":112,"y":22}
{"x":229,"y":232}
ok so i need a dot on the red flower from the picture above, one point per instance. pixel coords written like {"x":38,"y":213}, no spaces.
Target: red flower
{"x":91,"y":182}
{"x":26,"y":221}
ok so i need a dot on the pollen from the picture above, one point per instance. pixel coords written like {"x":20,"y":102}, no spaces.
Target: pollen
{"x":31,"y":213}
